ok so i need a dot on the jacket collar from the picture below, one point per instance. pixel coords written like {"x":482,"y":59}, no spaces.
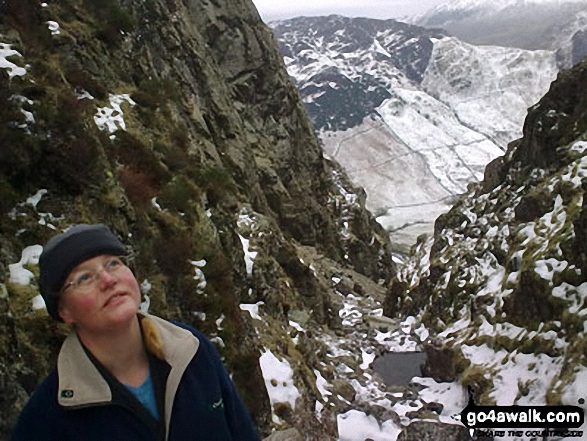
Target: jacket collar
{"x":81,"y":384}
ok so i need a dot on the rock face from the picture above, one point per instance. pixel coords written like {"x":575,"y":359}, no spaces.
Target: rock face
{"x":176,"y":124}
{"x":503,"y":281}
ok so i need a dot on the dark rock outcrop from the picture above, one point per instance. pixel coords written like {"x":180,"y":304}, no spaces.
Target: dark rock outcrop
{"x":557,"y":120}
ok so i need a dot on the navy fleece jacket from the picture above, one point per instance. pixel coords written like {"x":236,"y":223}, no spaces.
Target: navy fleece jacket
{"x":206,"y":406}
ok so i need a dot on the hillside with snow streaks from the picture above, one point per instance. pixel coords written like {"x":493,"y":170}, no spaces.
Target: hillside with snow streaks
{"x":411,"y":114}
{"x":490,"y":88}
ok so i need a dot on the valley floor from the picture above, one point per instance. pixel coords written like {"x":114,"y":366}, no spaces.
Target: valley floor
{"x":370,"y":409}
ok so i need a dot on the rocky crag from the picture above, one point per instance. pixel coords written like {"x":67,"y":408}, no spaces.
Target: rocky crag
{"x":501,"y":286}
{"x":176,"y":124}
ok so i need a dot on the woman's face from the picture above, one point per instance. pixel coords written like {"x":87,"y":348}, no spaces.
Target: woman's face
{"x":99,"y":295}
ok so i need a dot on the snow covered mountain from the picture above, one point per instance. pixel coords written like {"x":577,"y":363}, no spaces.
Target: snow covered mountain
{"x":559,"y":25}
{"x":411,"y":114}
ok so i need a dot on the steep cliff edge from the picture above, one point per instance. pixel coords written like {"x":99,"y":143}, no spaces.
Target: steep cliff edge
{"x":176,"y":124}
{"x":503,"y":282}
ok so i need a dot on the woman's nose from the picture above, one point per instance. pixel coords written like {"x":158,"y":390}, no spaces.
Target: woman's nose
{"x":105,"y":278}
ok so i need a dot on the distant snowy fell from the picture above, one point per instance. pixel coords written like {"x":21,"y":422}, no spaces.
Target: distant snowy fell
{"x":412,"y":114}
{"x":559,"y":25}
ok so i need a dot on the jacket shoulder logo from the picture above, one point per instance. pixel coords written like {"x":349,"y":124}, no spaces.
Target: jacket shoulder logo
{"x":66,"y":393}
{"x":217,"y":405}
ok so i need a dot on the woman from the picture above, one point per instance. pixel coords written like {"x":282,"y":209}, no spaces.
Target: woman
{"x":121,"y":374}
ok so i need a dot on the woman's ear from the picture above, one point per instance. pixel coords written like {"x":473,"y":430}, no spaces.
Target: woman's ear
{"x":65,"y":314}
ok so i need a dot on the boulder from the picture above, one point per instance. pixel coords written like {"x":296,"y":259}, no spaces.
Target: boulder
{"x":285,"y":435}
{"x":431,"y":431}
{"x":440,"y":362}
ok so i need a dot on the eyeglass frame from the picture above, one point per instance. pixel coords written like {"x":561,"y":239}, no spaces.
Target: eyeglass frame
{"x":95,"y":274}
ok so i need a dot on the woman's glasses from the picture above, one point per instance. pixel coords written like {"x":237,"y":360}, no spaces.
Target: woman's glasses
{"x":85,"y":280}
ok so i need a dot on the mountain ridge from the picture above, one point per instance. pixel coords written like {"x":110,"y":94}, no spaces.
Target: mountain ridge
{"x":550,"y":24}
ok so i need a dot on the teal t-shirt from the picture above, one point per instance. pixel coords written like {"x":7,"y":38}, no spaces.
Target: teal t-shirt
{"x":145,"y":393}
